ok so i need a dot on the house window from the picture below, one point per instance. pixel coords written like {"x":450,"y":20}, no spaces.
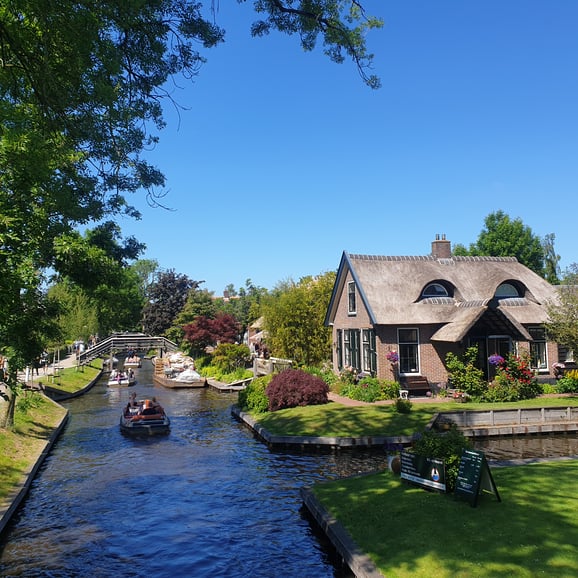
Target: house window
{"x":351,"y":352}
{"x":435,"y":290}
{"x":369,"y":352}
{"x":339,"y":349}
{"x":538,"y":356}
{"x":351,"y":300}
{"x":408,"y":341}
{"x":506,"y":290}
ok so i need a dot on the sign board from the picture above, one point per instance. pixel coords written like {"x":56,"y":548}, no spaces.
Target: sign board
{"x":423,"y":471}
{"x":474,"y":477}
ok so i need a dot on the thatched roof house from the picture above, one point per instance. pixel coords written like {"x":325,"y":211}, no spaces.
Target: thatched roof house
{"x":424,"y":306}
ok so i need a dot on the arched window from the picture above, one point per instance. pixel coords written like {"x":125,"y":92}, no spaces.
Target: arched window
{"x":435,"y":290}
{"x":507,"y":290}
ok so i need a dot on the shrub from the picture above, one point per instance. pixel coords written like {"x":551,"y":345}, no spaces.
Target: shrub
{"x":325,"y":373}
{"x":568,"y":383}
{"x":229,"y":357}
{"x":371,"y":389}
{"x":464,"y":374}
{"x":402,"y":405}
{"x":253,"y":398}
{"x":295,"y":387}
{"x":446,"y":446}
{"x":514,"y":381}
{"x":28,"y":400}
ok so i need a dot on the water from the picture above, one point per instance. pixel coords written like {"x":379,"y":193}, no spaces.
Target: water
{"x":548,"y":446}
{"x":209,"y":499}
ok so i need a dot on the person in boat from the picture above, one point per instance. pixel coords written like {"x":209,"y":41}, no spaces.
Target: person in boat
{"x":131,"y":405}
{"x":157,"y":406}
{"x":148,"y":408}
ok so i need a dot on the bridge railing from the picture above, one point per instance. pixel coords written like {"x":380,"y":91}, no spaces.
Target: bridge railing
{"x":126,"y":342}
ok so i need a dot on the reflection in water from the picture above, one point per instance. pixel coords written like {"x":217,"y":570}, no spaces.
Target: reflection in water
{"x":530,"y":446}
{"x":206,"y":500}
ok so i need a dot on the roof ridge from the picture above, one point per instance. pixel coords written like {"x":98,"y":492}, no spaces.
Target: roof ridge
{"x":463,"y":258}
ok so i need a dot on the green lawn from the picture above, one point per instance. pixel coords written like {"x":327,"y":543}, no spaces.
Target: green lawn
{"x":72,"y":379}
{"x":20,"y":447}
{"x":409,"y":532}
{"x":335,"y":420}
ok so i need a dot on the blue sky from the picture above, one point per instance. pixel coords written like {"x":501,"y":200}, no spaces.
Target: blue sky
{"x":283,"y":159}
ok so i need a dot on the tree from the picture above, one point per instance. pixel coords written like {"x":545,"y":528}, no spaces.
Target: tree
{"x":294,"y":319}
{"x":503,"y":237}
{"x":562,"y":326}
{"x":206,"y":331}
{"x":551,"y":260}
{"x":81,"y":91}
{"x":570,"y":275}
{"x":165,"y":299}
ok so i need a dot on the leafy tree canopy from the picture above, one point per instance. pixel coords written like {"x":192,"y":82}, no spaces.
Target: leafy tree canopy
{"x":166,"y":297}
{"x":563,"y":318}
{"x":503,"y":237}
{"x":294,"y":319}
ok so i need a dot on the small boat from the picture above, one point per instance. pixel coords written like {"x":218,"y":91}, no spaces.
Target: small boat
{"x":121,"y":378}
{"x":146,"y":419}
{"x":134,"y":361}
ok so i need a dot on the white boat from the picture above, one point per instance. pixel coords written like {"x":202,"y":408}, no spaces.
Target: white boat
{"x":121,"y":379}
{"x":134,"y":361}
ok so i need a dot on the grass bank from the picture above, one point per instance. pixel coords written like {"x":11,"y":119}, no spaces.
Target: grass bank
{"x":20,"y":447}
{"x":35,"y":420}
{"x":409,"y":532}
{"x":72,"y":379}
{"x":335,"y":420}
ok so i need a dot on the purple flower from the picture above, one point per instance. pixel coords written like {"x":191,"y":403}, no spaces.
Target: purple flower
{"x":392,"y":356}
{"x":496,"y":359}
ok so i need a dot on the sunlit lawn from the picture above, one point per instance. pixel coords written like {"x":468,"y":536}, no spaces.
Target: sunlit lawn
{"x":19,"y":448}
{"x":335,"y":420}
{"x":410,"y":532}
{"x":72,"y":379}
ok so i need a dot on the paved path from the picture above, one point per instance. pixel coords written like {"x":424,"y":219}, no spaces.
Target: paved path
{"x":354,"y":403}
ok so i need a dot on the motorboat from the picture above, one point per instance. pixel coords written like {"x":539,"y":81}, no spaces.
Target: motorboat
{"x":121,"y":378}
{"x":132,"y":361}
{"x":145,"y":419}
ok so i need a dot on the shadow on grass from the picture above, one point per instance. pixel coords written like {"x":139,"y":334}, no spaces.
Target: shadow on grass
{"x":411,"y":532}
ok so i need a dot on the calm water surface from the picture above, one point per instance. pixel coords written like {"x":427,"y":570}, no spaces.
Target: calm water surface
{"x":206,"y":500}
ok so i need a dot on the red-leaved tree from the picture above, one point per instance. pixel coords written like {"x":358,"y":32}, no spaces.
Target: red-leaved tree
{"x":206,"y":331}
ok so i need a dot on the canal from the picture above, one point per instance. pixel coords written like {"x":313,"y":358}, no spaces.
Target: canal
{"x":206,"y":500}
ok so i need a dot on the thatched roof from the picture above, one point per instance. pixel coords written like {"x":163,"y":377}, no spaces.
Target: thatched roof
{"x":391,"y":288}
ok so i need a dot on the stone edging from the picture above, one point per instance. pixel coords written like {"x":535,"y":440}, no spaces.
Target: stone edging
{"x":359,"y":563}
{"x":16,"y":496}
{"x":319,"y":441}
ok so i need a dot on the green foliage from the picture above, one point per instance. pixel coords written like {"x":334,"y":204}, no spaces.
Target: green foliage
{"x":446,"y":446}
{"x":464,"y":374}
{"x":253,"y":398}
{"x":166,"y":297}
{"x":28,"y":400}
{"x":569,"y":382}
{"x":514,"y":381}
{"x":294,"y":317}
{"x":371,"y":389}
{"x":325,"y":373}
{"x":503,"y":237}
{"x":563,"y":317}
{"x":402,"y":405}
{"x":229,"y":357}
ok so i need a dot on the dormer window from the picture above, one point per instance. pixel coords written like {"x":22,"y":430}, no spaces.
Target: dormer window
{"x":351,"y":298}
{"x":507,"y":291}
{"x":435,"y":290}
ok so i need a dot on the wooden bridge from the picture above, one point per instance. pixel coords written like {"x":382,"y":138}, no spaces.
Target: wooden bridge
{"x":126,"y":342}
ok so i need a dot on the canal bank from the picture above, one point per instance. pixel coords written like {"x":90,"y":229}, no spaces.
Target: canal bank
{"x":54,"y":395}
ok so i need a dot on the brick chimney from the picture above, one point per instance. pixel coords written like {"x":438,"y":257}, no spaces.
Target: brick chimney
{"x":440,"y":248}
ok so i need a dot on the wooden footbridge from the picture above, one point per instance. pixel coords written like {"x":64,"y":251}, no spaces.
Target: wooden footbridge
{"x":119,"y":342}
